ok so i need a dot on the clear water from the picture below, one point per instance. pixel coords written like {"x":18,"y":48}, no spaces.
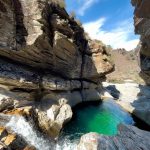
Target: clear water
{"x":102,"y":118}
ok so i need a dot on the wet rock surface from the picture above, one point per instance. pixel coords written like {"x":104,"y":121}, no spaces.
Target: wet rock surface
{"x":10,"y":141}
{"x":128,"y":137}
{"x":132,"y":97}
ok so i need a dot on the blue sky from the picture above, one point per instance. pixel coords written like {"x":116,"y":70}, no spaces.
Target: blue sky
{"x":110,"y":21}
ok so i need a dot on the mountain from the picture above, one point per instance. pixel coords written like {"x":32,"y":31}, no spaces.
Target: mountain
{"x":126,"y":66}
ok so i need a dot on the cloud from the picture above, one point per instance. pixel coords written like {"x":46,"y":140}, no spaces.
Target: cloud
{"x":85,"y":5}
{"x":119,"y":37}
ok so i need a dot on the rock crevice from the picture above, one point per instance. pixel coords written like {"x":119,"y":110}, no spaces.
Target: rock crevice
{"x":52,"y":45}
{"x":142,"y":24}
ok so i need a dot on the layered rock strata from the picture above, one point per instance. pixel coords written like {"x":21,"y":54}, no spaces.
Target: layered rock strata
{"x":42,"y":48}
{"x":47,"y":62}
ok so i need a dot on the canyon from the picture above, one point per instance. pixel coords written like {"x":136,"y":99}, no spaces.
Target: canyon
{"x":48,"y":65}
{"x":141,"y":23}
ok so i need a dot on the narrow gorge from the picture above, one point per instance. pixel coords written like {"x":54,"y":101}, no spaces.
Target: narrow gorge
{"x":53,"y":92}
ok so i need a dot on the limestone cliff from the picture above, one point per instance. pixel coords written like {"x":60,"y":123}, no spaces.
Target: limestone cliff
{"x":41,"y":47}
{"x":47,"y":62}
{"x":142,"y":24}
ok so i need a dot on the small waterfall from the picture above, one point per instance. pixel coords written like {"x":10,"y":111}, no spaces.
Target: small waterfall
{"x":20,"y":126}
{"x":108,"y":113}
{"x":66,"y":144}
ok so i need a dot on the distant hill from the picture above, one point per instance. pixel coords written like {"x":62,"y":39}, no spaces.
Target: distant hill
{"x":126,"y":66}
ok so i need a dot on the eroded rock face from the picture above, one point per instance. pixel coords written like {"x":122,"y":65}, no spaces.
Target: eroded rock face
{"x":43,"y":36}
{"x":142,"y":24}
{"x":129,"y":137}
{"x":43,"y":49}
{"x":47,"y":63}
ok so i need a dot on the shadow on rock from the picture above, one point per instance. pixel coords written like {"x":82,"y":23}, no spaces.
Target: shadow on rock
{"x":142,"y":107}
{"x":113,"y":91}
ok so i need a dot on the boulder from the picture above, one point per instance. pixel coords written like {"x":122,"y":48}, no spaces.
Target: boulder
{"x":4,"y":147}
{"x":65,"y":114}
{"x":22,"y":111}
{"x":53,"y":112}
{"x":128,"y":137}
{"x":52,"y":121}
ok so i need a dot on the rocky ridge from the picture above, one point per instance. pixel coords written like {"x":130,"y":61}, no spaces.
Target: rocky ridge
{"x":126,"y":66}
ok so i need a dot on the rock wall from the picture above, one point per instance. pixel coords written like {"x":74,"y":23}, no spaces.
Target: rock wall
{"x":42,"y":47}
{"x":46,"y":61}
{"x":142,"y":24}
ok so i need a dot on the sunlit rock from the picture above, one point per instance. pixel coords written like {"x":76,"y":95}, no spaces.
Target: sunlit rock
{"x":52,"y":121}
{"x":128,"y":137}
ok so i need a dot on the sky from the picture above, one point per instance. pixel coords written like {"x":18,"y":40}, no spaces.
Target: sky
{"x":110,"y":21}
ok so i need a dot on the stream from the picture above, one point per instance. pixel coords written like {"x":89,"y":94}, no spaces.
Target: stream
{"x":101,"y":117}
